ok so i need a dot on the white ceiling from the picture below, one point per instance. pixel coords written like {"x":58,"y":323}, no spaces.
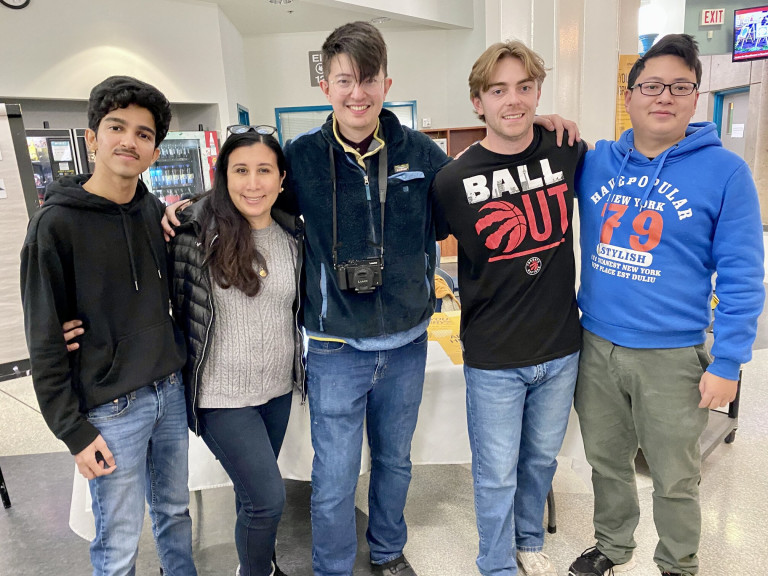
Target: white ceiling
{"x":257,"y":17}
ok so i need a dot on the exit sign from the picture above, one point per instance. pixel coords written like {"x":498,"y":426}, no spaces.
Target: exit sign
{"x":712,"y":17}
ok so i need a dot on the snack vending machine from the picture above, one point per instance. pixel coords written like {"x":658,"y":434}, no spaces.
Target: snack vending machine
{"x":53,"y":155}
{"x":184,"y":167}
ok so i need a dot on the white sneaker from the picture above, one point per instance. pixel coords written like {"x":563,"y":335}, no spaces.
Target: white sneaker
{"x":626,"y":567}
{"x":535,"y":564}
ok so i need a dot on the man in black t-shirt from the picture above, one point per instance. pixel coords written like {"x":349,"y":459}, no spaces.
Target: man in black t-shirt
{"x":509,"y":202}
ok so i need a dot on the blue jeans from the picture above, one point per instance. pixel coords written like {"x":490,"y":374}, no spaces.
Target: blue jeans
{"x":347,"y":386}
{"x":146,"y":431}
{"x":247,"y":442}
{"x":517,"y":420}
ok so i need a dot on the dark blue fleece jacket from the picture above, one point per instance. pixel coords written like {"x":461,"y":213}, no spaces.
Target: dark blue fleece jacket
{"x":406,"y":297}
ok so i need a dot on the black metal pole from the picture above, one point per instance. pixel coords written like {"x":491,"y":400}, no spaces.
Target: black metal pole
{"x":4,"y":491}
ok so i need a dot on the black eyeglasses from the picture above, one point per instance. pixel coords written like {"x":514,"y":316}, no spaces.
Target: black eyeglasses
{"x":656,"y":88}
{"x":263,"y":129}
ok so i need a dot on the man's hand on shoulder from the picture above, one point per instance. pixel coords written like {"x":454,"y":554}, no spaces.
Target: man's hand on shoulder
{"x":170,"y":220}
{"x":95,"y":460}
{"x":559,"y":124}
{"x":716,"y":392}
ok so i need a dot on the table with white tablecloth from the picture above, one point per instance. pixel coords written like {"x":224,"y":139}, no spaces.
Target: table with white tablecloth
{"x":440,"y":438}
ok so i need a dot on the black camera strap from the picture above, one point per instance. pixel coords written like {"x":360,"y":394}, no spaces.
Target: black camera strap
{"x":382,"y":200}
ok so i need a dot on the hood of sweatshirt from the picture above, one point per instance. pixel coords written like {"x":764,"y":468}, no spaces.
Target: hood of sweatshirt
{"x":697,"y":136}
{"x":69,"y":192}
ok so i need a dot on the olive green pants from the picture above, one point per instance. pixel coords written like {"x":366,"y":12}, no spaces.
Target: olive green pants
{"x":630,"y":397}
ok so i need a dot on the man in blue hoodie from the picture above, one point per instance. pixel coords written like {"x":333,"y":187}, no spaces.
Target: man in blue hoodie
{"x":662,"y":210}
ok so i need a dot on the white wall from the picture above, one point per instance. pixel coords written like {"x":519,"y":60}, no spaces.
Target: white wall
{"x":60,"y":50}
{"x":430,"y":67}
{"x":233,"y":61}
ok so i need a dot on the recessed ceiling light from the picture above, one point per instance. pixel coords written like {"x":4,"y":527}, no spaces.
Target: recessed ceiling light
{"x":280,"y":1}
{"x":380,"y":20}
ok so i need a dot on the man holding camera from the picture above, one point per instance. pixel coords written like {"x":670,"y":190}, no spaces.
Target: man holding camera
{"x":362,"y":183}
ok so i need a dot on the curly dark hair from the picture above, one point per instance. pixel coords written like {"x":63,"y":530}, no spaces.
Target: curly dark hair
{"x":226,"y":232}
{"x":122,"y":91}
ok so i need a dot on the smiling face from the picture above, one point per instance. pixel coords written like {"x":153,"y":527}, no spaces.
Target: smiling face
{"x":124,"y":145}
{"x":509,"y":106}
{"x":357,"y":112}
{"x":660,"y":121}
{"x":253,"y":182}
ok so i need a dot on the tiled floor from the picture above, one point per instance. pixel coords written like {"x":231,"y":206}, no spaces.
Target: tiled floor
{"x":35,"y":538}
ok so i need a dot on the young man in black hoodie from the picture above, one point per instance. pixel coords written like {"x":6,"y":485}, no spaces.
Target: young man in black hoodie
{"x":95,"y":252}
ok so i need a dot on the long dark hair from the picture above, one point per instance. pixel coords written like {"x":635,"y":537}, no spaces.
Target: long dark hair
{"x":231,"y":252}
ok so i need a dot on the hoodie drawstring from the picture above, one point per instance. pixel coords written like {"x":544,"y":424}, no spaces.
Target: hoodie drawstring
{"x":131,"y":256}
{"x":130,"y":250}
{"x":152,"y":249}
{"x":652,"y":181}
{"x":648,"y":188}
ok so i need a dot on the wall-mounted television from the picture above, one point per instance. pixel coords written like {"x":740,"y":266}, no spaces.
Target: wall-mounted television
{"x":750,"y":33}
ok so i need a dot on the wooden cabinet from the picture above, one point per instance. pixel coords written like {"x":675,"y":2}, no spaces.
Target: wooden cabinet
{"x":457,"y":139}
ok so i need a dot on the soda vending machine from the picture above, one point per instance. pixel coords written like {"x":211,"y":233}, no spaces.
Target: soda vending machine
{"x":184,"y":167}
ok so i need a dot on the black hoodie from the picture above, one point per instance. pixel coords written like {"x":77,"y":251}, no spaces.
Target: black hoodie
{"x":88,"y":258}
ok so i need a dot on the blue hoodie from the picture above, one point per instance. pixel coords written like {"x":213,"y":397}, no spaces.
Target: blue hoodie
{"x":667,"y":225}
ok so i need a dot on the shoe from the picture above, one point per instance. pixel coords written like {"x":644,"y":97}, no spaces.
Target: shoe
{"x":535,"y":564}
{"x":398,"y":566}
{"x":592,"y":562}
{"x":275,"y":571}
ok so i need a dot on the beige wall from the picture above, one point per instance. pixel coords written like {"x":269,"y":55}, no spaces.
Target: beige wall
{"x":429,"y":66}
{"x":60,"y":50}
{"x":718,"y":74}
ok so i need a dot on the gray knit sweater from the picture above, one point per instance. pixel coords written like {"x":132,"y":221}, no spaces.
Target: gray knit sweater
{"x":251,"y":356}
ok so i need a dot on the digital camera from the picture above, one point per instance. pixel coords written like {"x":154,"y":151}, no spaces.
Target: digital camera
{"x":362,"y":276}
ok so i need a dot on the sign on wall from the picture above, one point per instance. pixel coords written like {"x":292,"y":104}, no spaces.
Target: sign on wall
{"x":626,"y":61}
{"x":315,"y":68}
{"x":712,"y":17}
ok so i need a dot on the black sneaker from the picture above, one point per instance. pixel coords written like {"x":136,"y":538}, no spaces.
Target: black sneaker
{"x":592,"y":562}
{"x":398,"y":566}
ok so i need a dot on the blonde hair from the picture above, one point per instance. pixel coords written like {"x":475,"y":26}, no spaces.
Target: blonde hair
{"x":479,"y":78}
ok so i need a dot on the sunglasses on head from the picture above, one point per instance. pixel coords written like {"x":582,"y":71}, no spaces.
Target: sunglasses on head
{"x":262,"y":129}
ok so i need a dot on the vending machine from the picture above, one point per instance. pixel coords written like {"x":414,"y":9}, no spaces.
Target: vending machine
{"x":184,"y":167}
{"x":53,"y":155}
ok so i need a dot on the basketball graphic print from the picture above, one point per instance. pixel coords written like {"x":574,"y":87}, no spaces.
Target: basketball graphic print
{"x":504,"y":223}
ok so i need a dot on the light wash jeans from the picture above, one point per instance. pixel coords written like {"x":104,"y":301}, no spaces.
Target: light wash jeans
{"x":146,"y":431}
{"x":516,"y":419}
{"x":347,"y":386}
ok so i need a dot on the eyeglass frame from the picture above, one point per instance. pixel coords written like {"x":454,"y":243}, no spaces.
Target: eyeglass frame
{"x":354,"y":82}
{"x":665,"y":86}
{"x":252,"y":128}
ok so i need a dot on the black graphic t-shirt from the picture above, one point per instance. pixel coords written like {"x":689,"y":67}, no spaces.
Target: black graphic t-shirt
{"x":512,"y":217}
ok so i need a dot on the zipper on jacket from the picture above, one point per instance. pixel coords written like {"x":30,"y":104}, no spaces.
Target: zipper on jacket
{"x":367,"y":187}
{"x":202,"y":357}
{"x":299,"y":337}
